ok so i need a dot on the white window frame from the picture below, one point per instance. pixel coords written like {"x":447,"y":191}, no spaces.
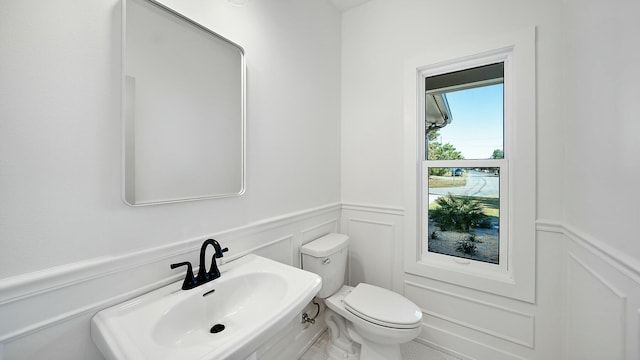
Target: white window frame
{"x":515,"y":275}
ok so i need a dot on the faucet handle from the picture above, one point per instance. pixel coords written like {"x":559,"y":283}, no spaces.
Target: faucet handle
{"x":218,"y":249}
{"x":214,"y":272}
{"x":219,"y":253}
{"x":189,"y":280}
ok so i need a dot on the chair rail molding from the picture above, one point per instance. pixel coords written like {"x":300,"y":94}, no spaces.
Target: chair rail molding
{"x":617,"y":259}
{"x":382,"y":209}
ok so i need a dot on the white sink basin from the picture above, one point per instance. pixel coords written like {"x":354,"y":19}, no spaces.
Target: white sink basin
{"x":252,"y":300}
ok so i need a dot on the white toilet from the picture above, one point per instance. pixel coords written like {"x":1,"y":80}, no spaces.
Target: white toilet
{"x":377,"y":319}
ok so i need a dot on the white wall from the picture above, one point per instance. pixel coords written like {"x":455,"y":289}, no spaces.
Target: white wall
{"x":60,"y":141}
{"x":586,"y":245}
{"x":601,"y":168}
{"x":380,"y":35}
{"x":68,"y":245}
{"x":602,"y":152}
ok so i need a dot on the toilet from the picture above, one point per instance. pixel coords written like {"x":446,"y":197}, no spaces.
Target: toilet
{"x":365,"y":322}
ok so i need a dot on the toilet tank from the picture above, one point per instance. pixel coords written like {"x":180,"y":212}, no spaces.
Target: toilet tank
{"x":327,"y":257}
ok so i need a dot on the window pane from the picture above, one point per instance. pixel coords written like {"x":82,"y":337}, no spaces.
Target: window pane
{"x":464,"y":213}
{"x":465,"y":114}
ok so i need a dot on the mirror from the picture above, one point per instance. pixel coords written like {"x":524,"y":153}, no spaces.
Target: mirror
{"x":183,"y":108}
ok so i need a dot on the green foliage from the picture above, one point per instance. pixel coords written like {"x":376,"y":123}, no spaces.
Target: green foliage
{"x":439,"y":151}
{"x":433,"y":135}
{"x":466,"y":246}
{"x":438,"y":171}
{"x":459,"y":213}
{"x":497,"y":154}
{"x":446,"y":151}
{"x":485,"y":223}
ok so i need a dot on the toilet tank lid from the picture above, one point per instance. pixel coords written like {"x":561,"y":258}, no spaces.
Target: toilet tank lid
{"x":325,"y":245}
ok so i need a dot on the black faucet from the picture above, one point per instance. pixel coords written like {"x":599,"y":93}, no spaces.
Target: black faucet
{"x":213,"y":273}
{"x":189,"y":280}
{"x":204,"y":276}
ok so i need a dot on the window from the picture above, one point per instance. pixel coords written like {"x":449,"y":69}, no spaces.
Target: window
{"x":464,"y":122}
{"x":470,"y":165}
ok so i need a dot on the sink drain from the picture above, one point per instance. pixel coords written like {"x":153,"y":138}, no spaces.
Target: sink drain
{"x":216,"y":328}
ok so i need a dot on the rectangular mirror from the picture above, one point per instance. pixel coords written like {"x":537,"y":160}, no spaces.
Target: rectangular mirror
{"x":183,"y":108}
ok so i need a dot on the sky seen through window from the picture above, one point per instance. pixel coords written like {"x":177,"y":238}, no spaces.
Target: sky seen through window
{"x":477,"y":126}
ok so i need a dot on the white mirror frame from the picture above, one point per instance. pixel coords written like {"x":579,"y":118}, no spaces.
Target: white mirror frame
{"x":231,"y":162}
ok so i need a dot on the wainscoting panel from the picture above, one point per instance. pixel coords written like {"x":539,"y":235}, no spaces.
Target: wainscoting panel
{"x":281,"y":250}
{"x":46,"y":315}
{"x":317,"y":230}
{"x":504,"y":323}
{"x":593,"y":303}
{"x":601,"y":298}
{"x":375,"y":245}
{"x":461,"y":346}
{"x":369,"y":252}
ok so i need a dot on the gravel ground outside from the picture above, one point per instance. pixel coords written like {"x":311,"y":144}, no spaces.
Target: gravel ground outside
{"x":487,"y":243}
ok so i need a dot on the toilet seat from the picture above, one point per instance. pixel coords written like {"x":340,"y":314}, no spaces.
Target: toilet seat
{"x":382,"y":307}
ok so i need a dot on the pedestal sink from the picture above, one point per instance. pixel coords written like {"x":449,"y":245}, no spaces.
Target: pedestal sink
{"x":228,"y":318}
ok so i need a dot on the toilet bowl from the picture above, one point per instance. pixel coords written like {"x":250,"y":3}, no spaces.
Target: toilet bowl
{"x":378,"y":325}
{"x":365,"y":322}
